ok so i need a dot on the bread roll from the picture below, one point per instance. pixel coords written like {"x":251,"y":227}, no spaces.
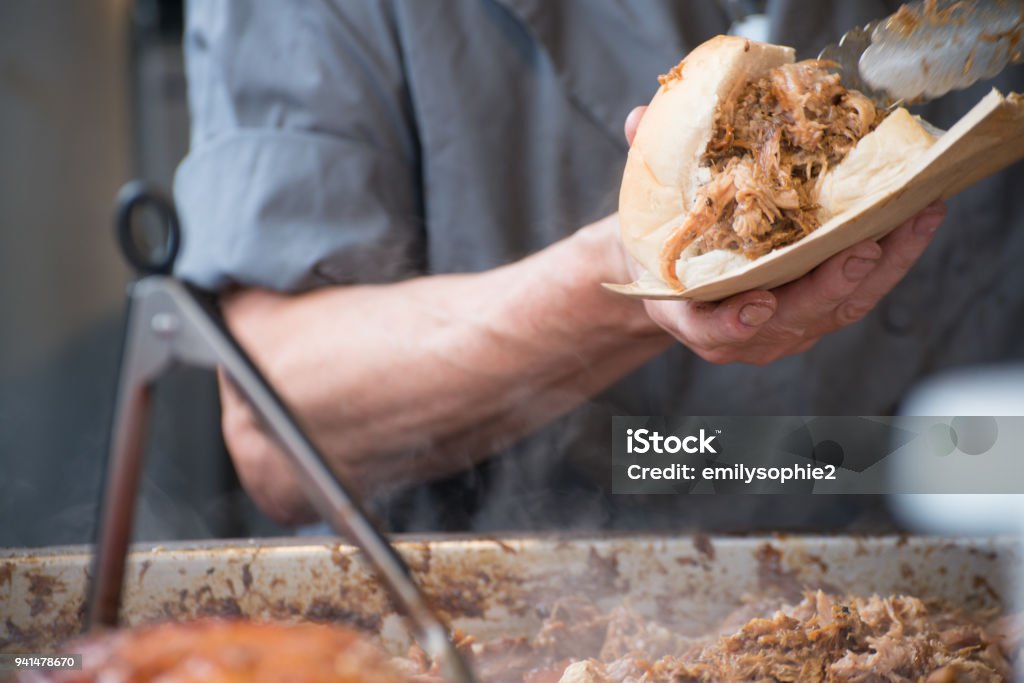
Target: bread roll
{"x":667,"y":166}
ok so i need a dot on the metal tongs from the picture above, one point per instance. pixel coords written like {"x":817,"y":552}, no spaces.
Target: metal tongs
{"x":929,"y":48}
{"x":169,"y":321}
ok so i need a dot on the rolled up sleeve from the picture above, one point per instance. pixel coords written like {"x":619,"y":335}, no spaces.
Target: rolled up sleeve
{"x":303,"y":162}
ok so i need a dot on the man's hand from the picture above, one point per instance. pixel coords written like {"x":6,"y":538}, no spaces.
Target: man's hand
{"x":759,"y":326}
{"x":485,"y":358}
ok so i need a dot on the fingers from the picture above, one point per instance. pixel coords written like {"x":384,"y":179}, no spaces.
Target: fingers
{"x":845,"y":288}
{"x":900,"y":251}
{"x":712,"y":329}
{"x":807,"y":305}
{"x":632,"y":122}
{"x":759,"y":327}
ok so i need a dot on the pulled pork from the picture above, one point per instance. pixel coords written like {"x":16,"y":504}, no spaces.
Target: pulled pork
{"x":854,"y":640}
{"x":821,"y":639}
{"x":770,"y":146}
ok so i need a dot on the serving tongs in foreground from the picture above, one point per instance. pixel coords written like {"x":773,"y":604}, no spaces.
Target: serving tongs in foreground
{"x":168,"y":322}
{"x":929,"y":48}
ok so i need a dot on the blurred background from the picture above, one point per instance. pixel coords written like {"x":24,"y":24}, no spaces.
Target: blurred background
{"x":92,"y":94}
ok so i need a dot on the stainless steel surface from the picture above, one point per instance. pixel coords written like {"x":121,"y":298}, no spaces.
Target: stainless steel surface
{"x":931,"y":47}
{"x":925,"y":54}
{"x":846,"y":55}
{"x":492,"y":587}
{"x":167,"y":323}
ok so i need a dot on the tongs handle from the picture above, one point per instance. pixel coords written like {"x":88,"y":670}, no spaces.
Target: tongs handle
{"x":139,"y":366}
{"x":137,"y":196}
{"x":167,"y":322}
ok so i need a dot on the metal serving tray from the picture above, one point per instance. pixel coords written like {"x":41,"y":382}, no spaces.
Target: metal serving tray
{"x":492,"y":586}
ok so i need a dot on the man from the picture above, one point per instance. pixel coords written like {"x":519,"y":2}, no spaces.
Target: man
{"x":408,"y":206}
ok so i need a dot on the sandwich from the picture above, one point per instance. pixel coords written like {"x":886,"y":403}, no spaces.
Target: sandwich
{"x":750,"y":168}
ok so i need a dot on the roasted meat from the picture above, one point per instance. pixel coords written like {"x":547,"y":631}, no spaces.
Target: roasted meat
{"x":226,"y":651}
{"x":769,"y":147}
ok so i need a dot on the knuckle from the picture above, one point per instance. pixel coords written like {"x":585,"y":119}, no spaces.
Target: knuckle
{"x":852,"y":312}
{"x":835,"y":291}
{"x":831,"y":281}
{"x":902,"y":257}
{"x":784,"y":334}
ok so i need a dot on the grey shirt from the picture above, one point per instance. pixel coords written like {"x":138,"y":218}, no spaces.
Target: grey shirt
{"x":338,"y":142}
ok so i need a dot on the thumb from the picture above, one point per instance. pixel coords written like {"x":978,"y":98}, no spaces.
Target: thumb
{"x":633,"y":122}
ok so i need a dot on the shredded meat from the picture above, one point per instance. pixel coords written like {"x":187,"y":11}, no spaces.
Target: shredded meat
{"x":854,"y":640}
{"x":821,"y":639}
{"x":770,"y":146}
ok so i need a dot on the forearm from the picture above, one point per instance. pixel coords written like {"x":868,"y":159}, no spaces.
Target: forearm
{"x":443,"y":366}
